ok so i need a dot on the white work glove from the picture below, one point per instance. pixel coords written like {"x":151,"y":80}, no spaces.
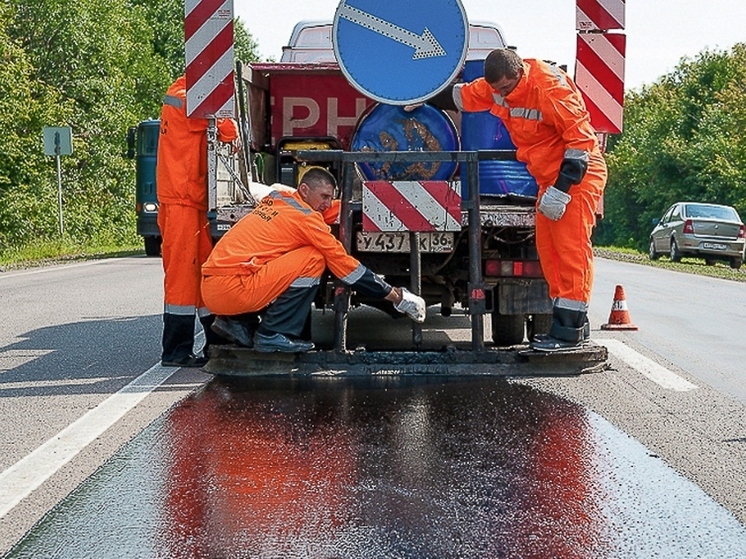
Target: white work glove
{"x":553,"y":203}
{"x":412,"y":305}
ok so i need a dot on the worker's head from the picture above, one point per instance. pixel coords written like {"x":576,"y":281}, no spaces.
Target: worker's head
{"x":503,"y":69}
{"x":317,"y":188}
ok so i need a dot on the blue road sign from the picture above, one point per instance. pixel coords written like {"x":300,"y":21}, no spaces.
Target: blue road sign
{"x":400,"y":51}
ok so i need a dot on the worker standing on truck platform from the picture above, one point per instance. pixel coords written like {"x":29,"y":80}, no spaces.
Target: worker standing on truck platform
{"x":272,"y":261}
{"x":550,"y":126}
{"x":181,"y":179}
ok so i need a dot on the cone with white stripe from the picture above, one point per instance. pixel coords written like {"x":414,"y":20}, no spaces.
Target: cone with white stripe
{"x":619,"y":318}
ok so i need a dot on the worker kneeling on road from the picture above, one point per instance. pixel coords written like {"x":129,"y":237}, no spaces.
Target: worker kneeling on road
{"x":272,"y":261}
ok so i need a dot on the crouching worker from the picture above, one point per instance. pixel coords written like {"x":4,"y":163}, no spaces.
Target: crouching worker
{"x":272,"y":261}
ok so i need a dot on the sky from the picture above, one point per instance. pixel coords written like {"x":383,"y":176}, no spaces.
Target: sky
{"x":659,"y":32}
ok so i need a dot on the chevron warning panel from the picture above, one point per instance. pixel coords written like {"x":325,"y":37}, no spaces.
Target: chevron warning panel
{"x":411,"y":206}
{"x":600,"y":77}
{"x":208,"y":33}
{"x":599,"y":15}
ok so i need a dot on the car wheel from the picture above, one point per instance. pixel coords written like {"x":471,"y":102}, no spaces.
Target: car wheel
{"x":652,"y":253}
{"x":675,"y":252}
{"x":710,"y":261}
{"x":736,"y":262}
{"x":152,"y":246}
{"x":507,"y":329}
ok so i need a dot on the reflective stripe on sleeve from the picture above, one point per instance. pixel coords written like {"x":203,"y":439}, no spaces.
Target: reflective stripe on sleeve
{"x":173,"y":101}
{"x":355,"y":275}
{"x":578,"y":154}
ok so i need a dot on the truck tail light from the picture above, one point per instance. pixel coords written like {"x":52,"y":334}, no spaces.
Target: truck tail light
{"x":513,"y":268}
{"x":689,"y":227}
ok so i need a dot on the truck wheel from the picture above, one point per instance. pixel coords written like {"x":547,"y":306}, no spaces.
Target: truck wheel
{"x":507,"y":329}
{"x":152,"y":246}
{"x":538,"y":324}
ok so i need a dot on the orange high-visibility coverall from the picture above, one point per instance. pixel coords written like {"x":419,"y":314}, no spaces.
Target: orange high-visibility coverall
{"x":181,"y":180}
{"x":548,"y":123}
{"x":282,"y":243}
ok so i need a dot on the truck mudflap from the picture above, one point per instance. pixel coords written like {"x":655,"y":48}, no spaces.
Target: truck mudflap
{"x":513,"y":362}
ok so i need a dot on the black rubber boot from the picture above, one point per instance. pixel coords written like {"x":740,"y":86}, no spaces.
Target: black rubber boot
{"x":570,"y":329}
{"x":178,"y":342}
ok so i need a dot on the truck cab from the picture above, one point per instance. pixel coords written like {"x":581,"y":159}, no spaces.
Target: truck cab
{"x":142,"y":146}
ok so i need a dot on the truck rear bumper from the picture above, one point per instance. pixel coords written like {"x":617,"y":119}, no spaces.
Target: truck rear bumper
{"x":520,"y":361}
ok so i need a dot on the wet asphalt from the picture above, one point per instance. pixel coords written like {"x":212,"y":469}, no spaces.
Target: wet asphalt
{"x":383,"y":467}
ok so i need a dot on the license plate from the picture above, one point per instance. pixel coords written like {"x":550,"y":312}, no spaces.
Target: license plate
{"x":714,"y":246}
{"x":399,"y":242}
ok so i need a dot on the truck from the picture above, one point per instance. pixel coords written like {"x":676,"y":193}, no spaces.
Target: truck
{"x":474,"y":255}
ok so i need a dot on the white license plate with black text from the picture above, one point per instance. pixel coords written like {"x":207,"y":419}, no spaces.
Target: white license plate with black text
{"x":398,"y":241}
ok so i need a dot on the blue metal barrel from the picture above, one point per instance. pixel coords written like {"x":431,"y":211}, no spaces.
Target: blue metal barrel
{"x":391,"y":128}
{"x":484,"y":131}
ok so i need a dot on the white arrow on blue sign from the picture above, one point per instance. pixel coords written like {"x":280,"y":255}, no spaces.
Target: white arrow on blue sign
{"x":400,"y":51}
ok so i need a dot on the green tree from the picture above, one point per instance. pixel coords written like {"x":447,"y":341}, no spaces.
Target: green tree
{"x":682,"y":140}
{"x":27,"y":179}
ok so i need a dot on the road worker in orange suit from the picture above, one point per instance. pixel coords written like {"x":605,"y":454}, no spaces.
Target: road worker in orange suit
{"x":548,"y":122}
{"x":272,"y":261}
{"x":181,"y":179}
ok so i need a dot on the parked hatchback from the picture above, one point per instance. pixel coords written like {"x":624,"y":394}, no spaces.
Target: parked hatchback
{"x":708,"y":231}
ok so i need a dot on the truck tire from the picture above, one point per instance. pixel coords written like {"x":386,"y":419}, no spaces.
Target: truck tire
{"x":152,"y":246}
{"x":538,"y":324}
{"x":507,"y":329}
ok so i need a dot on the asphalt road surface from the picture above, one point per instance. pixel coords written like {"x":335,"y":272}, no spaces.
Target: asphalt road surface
{"x":646,"y":458}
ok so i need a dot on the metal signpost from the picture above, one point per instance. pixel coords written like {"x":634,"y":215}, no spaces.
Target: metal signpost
{"x":400,"y":52}
{"x":58,"y":140}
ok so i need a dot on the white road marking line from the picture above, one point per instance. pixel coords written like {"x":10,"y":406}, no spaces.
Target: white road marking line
{"x":23,"y":477}
{"x":647,"y":367}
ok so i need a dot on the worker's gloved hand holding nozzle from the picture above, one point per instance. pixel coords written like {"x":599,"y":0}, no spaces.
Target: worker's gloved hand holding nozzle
{"x":553,"y":203}
{"x":412,"y":305}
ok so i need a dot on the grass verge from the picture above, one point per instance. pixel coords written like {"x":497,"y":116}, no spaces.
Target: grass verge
{"x":688,"y":265}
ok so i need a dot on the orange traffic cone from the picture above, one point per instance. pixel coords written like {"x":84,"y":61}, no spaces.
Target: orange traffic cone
{"x":619,"y":317}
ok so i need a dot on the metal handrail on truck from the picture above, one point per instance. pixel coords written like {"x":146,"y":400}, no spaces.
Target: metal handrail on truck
{"x":477,"y":288}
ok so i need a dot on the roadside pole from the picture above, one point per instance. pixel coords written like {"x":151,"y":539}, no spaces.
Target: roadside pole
{"x":57,"y":142}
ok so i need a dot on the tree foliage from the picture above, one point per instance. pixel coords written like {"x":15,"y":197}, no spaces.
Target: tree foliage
{"x":98,"y":66}
{"x":682,"y":140}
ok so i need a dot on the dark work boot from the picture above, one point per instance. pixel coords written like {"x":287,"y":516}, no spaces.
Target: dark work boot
{"x":178,"y":340}
{"x":228,"y":328}
{"x":570,"y":329}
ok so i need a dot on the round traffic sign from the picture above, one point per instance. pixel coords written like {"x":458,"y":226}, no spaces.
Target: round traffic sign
{"x":400,"y":52}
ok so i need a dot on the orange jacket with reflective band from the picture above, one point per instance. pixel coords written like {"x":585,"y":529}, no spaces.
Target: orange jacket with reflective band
{"x":282,"y":222}
{"x":181,"y":170}
{"x":545,"y":116}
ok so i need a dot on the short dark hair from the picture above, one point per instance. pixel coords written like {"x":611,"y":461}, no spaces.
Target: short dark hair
{"x":318,"y":176}
{"x":502,"y":63}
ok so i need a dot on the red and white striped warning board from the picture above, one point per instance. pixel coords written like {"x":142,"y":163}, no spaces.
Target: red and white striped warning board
{"x":208,"y":32}
{"x":599,"y":15}
{"x":411,"y":206}
{"x":600,"y":77}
